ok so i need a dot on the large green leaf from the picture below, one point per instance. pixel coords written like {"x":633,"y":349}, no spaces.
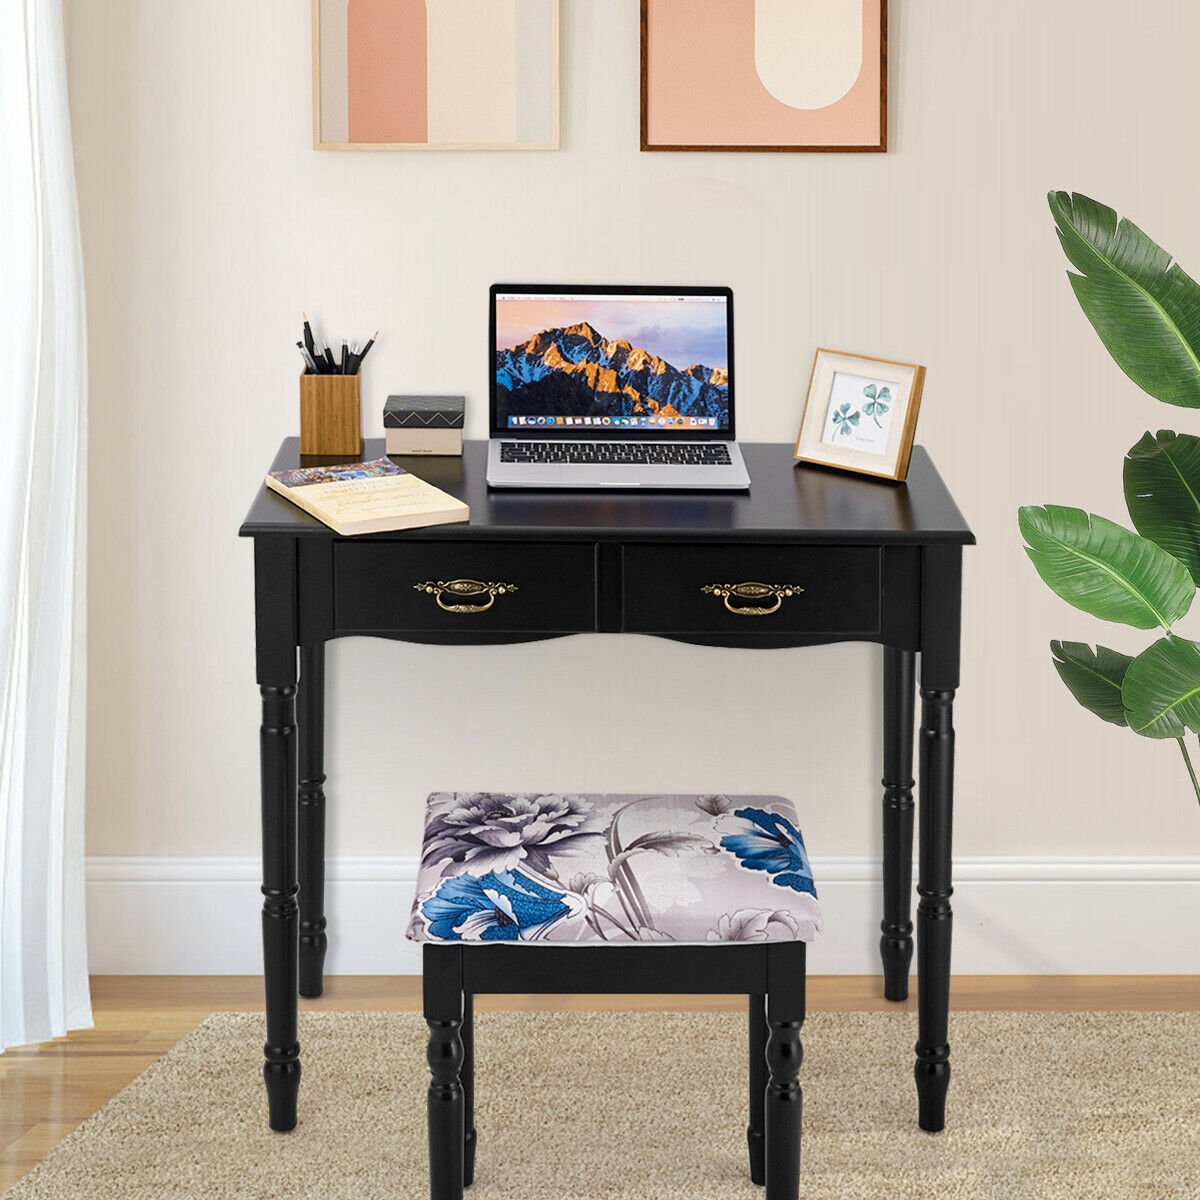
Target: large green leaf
{"x":1162,"y":490}
{"x":1161,"y":691}
{"x":1145,"y":308}
{"x":1093,"y":677}
{"x":1105,"y":569}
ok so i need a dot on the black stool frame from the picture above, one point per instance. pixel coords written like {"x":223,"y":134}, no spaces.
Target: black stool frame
{"x":771,"y":974}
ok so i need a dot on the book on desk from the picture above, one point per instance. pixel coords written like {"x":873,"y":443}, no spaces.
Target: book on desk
{"x":367,"y":497}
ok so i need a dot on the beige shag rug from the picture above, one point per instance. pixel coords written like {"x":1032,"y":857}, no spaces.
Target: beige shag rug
{"x":625,"y":1106}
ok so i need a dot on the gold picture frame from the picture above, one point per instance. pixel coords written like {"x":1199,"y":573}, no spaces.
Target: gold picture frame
{"x":860,"y":414}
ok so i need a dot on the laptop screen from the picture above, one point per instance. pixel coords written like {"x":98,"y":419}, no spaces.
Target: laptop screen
{"x":647,"y":361}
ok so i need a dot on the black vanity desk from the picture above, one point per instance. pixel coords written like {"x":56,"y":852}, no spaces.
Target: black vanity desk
{"x":837,"y":557}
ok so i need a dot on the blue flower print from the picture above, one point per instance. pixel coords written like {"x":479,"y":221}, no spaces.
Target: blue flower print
{"x":501,"y":906}
{"x":773,"y":844}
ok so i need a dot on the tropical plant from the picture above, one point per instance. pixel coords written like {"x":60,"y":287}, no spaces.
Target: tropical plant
{"x":1146,"y":310}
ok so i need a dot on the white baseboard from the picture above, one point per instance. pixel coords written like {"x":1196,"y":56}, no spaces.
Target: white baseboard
{"x":1021,"y":916}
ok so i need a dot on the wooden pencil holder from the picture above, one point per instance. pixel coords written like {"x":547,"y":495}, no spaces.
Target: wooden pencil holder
{"x":330,"y":415}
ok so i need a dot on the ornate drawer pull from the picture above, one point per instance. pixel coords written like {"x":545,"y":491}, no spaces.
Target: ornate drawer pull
{"x":752,"y":592}
{"x":465,"y":589}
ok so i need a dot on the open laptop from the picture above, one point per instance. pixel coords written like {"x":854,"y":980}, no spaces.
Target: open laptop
{"x":612,"y":387}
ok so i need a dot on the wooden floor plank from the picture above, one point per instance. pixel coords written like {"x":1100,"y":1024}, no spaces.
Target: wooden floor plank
{"x":49,"y":1089}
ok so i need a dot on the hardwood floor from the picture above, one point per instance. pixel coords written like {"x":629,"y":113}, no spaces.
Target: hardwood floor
{"x":47,"y":1090}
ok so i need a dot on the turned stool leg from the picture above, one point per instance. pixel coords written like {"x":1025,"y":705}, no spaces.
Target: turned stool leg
{"x":444,"y":1016}
{"x":784,"y":1101}
{"x":468,"y":1083}
{"x":757,"y":1041}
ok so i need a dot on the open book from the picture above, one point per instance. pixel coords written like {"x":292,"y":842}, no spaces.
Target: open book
{"x":367,"y":497}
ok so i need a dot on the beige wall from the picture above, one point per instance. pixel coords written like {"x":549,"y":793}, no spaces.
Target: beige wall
{"x":209,"y":224}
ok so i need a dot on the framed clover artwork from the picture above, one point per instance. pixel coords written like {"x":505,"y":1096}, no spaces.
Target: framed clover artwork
{"x":435,"y":74}
{"x":860,"y":414}
{"x":798,"y":75}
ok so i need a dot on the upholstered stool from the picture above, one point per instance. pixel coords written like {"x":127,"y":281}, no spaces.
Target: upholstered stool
{"x":584,"y":893}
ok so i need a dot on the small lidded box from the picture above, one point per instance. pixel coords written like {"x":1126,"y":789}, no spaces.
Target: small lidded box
{"x":424,"y":424}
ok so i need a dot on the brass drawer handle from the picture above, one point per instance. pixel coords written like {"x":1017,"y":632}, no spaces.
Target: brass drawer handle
{"x":465,"y":589}
{"x":756,"y":593}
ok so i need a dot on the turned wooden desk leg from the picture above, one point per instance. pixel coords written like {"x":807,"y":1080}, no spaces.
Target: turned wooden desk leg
{"x":896,"y":942}
{"x":934,"y":915}
{"x":281,"y":1066}
{"x":311,"y":712}
{"x":941,"y":622}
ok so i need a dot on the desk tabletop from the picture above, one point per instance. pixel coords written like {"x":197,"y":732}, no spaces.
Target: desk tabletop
{"x":785,"y":503}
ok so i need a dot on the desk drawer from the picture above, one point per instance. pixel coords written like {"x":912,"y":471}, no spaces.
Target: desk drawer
{"x":752,"y":589}
{"x":453,"y":587}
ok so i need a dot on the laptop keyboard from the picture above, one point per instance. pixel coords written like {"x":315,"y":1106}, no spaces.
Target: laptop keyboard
{"x":666,"y":454}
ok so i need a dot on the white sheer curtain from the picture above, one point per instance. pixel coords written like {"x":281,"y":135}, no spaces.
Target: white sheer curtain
{"x":43,"y":959}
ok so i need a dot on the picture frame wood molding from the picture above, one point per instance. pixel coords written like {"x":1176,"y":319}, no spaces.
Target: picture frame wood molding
{"x":876,"y":143}
{"x":550,"y":142}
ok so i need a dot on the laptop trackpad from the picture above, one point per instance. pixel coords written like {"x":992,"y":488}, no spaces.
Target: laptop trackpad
{"x":609,"y":475}
{"x":535,"y":474}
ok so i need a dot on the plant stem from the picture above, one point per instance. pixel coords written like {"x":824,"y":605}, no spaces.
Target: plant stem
{"x":1191,"y":770}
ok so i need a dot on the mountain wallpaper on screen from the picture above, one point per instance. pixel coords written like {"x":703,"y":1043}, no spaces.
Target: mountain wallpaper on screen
{"x":576,"y":372}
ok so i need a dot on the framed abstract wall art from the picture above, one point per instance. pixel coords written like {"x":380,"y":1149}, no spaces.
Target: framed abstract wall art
{"x":860,"y":414}
{"x":764,"y":75}
{"x":435,"y":74}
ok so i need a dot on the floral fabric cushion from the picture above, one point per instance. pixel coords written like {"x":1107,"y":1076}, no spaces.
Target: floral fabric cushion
{"x":498,"y":867}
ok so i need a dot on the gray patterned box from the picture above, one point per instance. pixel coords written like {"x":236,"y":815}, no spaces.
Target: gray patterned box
{"x":424,"y":424}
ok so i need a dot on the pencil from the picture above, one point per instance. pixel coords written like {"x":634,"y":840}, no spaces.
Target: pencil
{"x":365,"y":349}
